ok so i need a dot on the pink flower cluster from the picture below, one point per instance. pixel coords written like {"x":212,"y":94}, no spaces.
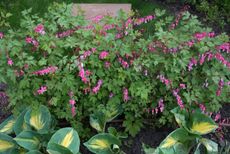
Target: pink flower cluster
{"x":1,"y":35}
{"x":145,"y":19}
{"x":125,"y":94}
{"x":82,"y":75}
{"x":10,"y":62}
{"x":30,"y":40}
{"x":40,"y":29}
{"x":108,"y":26}
{"x":201,"y":36}
{"x":97,"y":87}
{"x":224,"y":47}
{"x":220,"y":87}
{"x":48,"y":70}
{"x":221,"y":58}
{"x":192,"y":62}
{"x":88,"y":53}
{"x":178,"y":17}
{"x":73,"y":109}
{"x":107,"y":64}
{"x":124,"y":63}
{"x":19,"y":73}
{"x":97,"y":18}
{"x":66,"y":33}
{"x":103,"y":54}
{"x":41,"y":90}
{"x":158,"y":109}
{"x":178,"y":98}
{"x":164,"y":80}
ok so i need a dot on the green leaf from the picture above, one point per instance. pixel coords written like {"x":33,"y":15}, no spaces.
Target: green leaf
{"x":7,"y":125}
{"x":39,"y":119}
{"x":102,"y":143}
{"x":34,"y":152}
{"x":28,"y":140}
{"x":7,"y":144}
{"x":67,"y":138}
{"x":212,"y":147}
{"x":54,"y":148}
{"x":20,"y":124}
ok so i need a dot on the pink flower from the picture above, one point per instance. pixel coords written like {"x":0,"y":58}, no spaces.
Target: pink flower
{"x":111,"y":95}
{"x":202,"y":107}
{"x":211,"y":34}
{"x":93,"y":50}
{"x":190,"y":43}
{"x":182,"y":86}
{"x":193,"y":62}
{"x":87,"y":54}
{"x":29,"y":40}
{"x":217,"y":117}
{"x":220,"y":87}
{"x":73,"y":111}
{"x":10,"y":62}
{"x":39,"y":29}
{"x":42,"y":90}
{"x":202,"y":58}
{"x":178,"y":98}
{"x":107,"y":64}
{"x":225,"y":47}
{"x":164,"y":80}
{"x":72,"y":102}
{"x":97,"y":87}
{"x":125,"y":94}
{"x":200,"y":36}
{"x":1,"y":35}
{"x":103,"y":54}
{"x":161,"y":105}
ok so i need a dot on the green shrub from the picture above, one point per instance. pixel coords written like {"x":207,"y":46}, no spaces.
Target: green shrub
{"x":77,"y":67}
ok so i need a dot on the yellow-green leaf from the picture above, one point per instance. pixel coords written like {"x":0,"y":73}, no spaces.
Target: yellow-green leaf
{"x":101,"y":143}
{"x":39,"y":119}
{"x":203,"y":127}
{"x":7,"y":143}
{"x":65,"y":138}
{"x":169,"y":142}
{"x":7,"y":125}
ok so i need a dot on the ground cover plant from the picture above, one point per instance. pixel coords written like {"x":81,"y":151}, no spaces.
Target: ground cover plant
{"x":92,"y":71}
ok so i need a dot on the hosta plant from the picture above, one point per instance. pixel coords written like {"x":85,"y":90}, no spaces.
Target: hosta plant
{"x":189,"y":137}
{"x":105,"y":142}
{"x":34,"y":132}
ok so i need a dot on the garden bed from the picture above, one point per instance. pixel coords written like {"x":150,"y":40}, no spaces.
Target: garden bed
{"x":113,"y":85}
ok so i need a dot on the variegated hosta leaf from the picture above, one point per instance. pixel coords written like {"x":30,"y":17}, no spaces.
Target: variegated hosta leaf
{"x":175,"y":142}
{"x":101,"y":143}
{"x":20,"y":124}
{"x":212,"y":147}
{"x":28,"y":140}
{"x":201,"y":124}
{"x":7,"y":126}
{"x":39,"y":119}
{"x":113,"y":112}
{"x":97,"y":121}
{"x":67,"y":138}
{"x":7,"y":144}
